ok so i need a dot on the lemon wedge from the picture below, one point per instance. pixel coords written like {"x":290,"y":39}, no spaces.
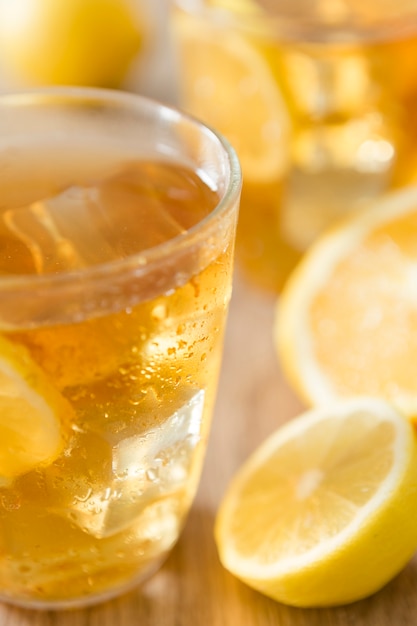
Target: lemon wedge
{"x":346,"y":322}
{"x":34,"y":417}
{"x":226,"y":82}
{"x":323,"y":513}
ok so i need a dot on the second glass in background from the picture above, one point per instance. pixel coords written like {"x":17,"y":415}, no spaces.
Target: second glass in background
{"x":319,"y":100}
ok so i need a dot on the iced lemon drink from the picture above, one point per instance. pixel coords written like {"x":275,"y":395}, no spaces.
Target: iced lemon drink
{"x":318,"y":98}
{"x":117,"y":221}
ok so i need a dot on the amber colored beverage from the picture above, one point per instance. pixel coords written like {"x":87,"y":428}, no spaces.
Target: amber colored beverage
{"x":319,"y":99}
{"x":116,"y":248}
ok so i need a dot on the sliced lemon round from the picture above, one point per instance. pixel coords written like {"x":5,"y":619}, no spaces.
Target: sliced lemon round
{"x":227,"y":82}
{"x":346,"y":322}
{"x":34,"y":417}
{"x":323,"y":513}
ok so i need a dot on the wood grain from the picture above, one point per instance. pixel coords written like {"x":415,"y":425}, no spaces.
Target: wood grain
{"x":192,"y":589}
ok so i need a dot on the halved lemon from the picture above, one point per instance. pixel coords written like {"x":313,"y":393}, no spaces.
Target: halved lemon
{"x":226,"y":81}
{"x":34,"y":417}
{"x":346,"y":322}
{"x":323,"y":513}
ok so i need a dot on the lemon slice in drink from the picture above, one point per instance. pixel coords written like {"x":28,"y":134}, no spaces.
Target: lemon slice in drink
{"x":347,"y":321}
{"x":226,"y":82}
{"x":323,"y":513}
{"x":34,"y":417}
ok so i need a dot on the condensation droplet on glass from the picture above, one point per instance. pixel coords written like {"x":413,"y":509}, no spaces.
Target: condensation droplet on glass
{"x":151,"y":475}
{"x":107,"y":494}
{"x":159,"y":312}
{"x":84,"y":497}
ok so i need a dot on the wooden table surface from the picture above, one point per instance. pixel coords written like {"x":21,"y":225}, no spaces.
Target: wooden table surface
{"x":192,"y":588}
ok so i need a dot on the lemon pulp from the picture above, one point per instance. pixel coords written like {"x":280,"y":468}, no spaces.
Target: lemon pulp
{"x":323,"y":513}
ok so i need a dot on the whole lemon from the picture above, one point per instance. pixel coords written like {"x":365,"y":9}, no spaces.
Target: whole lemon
{"x":80,"y":42}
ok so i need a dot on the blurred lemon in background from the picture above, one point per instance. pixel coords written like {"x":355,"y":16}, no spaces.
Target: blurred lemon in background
{"x":80,"y":42}
{"x":346,"y":322}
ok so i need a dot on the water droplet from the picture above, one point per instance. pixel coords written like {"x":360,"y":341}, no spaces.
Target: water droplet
{"x":159,"y":312}
{"x":151,"y":474}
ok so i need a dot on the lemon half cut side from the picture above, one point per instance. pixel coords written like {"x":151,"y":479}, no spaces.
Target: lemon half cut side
{"x":323,"y":513}
{"x":346,"y":322}
{"x":34,"y":416}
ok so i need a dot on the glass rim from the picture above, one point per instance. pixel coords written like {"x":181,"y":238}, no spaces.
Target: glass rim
{"x":297,"y":29}
{"x":143,"y":261}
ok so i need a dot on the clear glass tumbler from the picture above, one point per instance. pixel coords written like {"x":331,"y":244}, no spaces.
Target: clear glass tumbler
{"x":319,"y":98}
{"x":117,"y":229}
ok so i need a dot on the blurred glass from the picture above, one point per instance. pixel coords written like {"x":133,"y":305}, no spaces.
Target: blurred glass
{"x":319,"y":97}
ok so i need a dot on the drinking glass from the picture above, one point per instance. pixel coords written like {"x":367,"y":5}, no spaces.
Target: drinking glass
{"x":117,"y":229}
{"x":319,"y":98}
